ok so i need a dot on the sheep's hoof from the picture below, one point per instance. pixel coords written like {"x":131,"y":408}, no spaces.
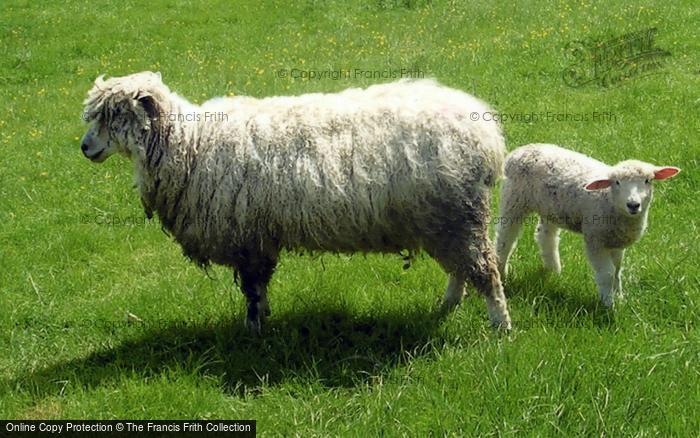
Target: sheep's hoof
{"x":254,"y":325}
{"x":619,"y":295}
{"x":607,"y":302}
{"x":502,"y":325}
{"x":449,"y":304}
{"x":555,"y":269}
{"x":500,"y":319}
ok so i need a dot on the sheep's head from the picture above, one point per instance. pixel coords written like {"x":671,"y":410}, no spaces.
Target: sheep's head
{"x":630,"y":184}
{"x":121,"y":112}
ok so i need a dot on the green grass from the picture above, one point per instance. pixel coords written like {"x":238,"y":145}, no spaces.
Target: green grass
{"x":354,"y":345}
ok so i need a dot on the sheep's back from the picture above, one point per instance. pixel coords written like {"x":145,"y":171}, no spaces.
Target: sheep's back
{"x":347,"y":173}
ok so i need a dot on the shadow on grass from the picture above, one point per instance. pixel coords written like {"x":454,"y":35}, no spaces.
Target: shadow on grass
{"x":551,"y":302}
{"x":332,"y":348}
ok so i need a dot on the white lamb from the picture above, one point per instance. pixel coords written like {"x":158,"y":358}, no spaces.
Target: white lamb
{"x":392,"y":167}
{"x":608,"y":205}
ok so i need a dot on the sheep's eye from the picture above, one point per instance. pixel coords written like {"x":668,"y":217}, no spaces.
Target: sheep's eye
{"x":617,"y":182}
{"x":646,"y":181}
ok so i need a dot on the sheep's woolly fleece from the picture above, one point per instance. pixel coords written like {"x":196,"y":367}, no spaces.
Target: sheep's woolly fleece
{"x":376,"y":169}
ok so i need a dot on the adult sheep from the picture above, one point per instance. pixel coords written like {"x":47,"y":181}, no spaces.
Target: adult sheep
{"x":391,"y":167}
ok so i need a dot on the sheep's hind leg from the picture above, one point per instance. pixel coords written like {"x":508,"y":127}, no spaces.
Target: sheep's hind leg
{"x":255,"y":276}
{"x":454,"y":291}
{"x":547,"y":237}
{"x":483,"y":273}
{"x":461,"y":261}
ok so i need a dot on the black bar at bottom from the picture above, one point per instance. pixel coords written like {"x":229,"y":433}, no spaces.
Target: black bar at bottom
{"x":238,"y":428}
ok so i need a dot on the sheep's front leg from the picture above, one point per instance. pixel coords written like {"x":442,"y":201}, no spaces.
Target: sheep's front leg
{"x":602,"y":262}
{"x":255,"y":276}
{"x":547,"y":237}
{"x":617,"y":255}
{"x":256,"y":299}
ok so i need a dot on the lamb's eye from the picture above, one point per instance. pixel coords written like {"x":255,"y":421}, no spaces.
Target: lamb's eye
{"x":617,"y":182}
{"x":646,"y":181}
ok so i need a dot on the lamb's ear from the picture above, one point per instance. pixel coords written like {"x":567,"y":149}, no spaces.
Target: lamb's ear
{"x":598,"y":184}
{"x":665,"y":172}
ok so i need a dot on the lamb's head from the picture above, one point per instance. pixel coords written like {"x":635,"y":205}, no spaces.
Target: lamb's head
{"x":630,"y":184}
{"x":121,"y":113}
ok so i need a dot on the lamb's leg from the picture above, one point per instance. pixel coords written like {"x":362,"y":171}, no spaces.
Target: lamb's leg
{"x":602,"y":262}
{"x":255,"y":276}
{"x":547,"y":237}
{"x":509,"y":223}
{"x":617,"y":255}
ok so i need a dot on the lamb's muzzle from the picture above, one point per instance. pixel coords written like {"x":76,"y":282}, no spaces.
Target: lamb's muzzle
{"x":391,"y":167}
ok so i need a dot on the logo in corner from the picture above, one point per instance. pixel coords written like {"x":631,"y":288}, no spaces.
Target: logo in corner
{"x":610,"y":62}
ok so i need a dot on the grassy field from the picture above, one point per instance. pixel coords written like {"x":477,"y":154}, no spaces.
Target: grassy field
{"x":354,"y":345}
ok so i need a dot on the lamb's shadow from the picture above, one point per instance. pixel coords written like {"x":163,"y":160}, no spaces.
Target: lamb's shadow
{"x":334,"y":348}
{"x":550,"y":299}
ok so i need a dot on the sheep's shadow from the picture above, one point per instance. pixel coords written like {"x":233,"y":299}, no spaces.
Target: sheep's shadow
{"x":550,"y":300}
{"x":333,"y":348}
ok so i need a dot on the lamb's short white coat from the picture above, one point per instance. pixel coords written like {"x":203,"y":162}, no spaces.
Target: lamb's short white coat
{"x":607,"y":204}
{"x":391,"y":167}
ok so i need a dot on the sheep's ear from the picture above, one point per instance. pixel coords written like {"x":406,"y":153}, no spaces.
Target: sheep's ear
{"x":99,"y":81}
{"x":665,"y":172}
{"x":149,"y":105}
{"x":598,"y":184}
